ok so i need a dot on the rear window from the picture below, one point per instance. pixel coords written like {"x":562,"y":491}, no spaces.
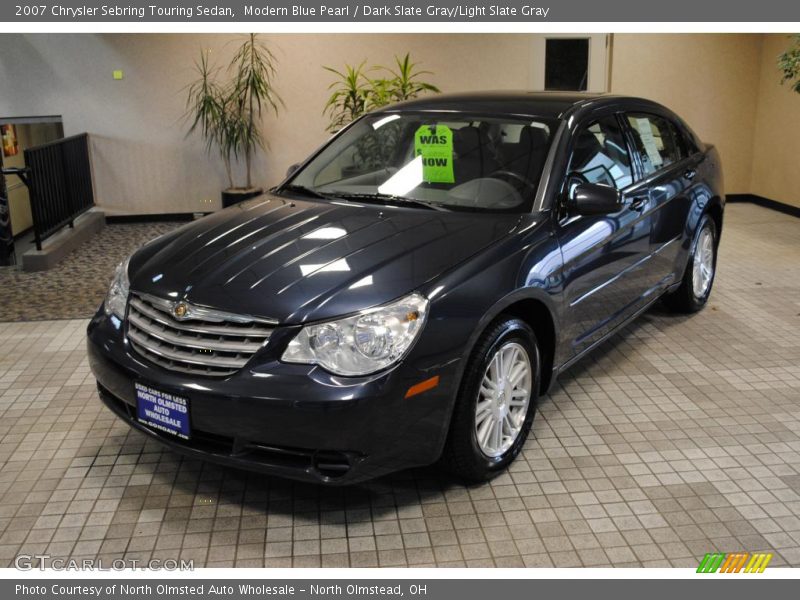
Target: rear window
{"x":658,"y":142}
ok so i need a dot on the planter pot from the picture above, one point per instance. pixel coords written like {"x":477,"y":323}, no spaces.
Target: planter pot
{"x":235,"y":195}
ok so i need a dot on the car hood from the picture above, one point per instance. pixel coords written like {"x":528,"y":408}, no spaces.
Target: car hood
{"x":296,"y":261}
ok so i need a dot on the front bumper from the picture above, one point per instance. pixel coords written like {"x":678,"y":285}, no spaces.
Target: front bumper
{"x":296,"y":421}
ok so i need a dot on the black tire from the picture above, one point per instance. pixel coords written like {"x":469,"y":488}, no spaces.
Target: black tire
{"x":462,"y":454}
{"x":685,"y":299}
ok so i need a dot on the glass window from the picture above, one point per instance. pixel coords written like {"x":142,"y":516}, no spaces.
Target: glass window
{"x":566,"y":64}
{"x":444,"y":160}
{"x":657,"y":142}
{"x":685,"y":141}
{"x":601,"y":156}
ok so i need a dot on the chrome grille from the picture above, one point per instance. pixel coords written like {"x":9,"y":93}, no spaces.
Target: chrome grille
{"x":202,"y":342}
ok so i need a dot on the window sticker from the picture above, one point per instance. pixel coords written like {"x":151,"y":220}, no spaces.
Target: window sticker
{"x":645,"y":128}
{"x":434,"y":143}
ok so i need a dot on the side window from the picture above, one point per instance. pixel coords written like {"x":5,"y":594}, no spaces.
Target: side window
{"x":657,"y":142}
{"x":600,"y":155}
{"x":686,"y":143}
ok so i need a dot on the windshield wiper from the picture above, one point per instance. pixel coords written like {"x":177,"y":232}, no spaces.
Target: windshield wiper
{"x":306,"y":191}
{"x":387,"y":199}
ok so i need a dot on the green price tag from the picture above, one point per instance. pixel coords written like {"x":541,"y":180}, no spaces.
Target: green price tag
{"x":434,"y":143}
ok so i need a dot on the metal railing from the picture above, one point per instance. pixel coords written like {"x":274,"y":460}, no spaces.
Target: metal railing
{"x":6,"y":237}
{"x":59,"y":178}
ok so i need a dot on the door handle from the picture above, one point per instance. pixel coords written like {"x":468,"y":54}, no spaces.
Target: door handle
{"x":638,"y":203}
{"x":689,"y":174}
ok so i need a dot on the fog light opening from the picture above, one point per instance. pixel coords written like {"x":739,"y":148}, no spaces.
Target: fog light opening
{"x":330,"y":463}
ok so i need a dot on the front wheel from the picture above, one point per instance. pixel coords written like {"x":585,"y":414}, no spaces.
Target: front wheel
{"x":496,"y":403}
{"x":698,"y":278}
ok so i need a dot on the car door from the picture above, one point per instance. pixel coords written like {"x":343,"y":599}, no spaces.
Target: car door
{"x":602,"y":254}
{"x":668,"y":170}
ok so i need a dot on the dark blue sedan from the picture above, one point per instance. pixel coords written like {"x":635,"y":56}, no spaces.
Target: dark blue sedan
{"x":412,"y":289}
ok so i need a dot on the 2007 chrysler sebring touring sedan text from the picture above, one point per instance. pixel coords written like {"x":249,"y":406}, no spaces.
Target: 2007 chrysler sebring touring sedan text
{"x":412,"y":289}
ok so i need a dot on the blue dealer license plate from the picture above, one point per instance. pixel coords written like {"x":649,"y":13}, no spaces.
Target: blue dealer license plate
{"x":163,"y":411}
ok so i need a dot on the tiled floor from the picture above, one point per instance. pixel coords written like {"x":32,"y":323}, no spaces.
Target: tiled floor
{"x":678,"y":438}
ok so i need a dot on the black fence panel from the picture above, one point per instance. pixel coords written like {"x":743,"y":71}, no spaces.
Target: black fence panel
{"x":60,"y":184}
{"x":6,"y":238}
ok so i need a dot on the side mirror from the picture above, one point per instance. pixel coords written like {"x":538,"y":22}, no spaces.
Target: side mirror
{"x":291,"y":170}
{"x":595,"y":199}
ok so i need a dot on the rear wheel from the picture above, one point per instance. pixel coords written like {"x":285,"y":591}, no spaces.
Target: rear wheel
{"x":497,"y":401}
{"x":698,"y":278}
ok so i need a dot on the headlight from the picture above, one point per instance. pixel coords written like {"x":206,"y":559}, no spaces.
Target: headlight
{"x":364,"y":343}
{"x":118,"y":292}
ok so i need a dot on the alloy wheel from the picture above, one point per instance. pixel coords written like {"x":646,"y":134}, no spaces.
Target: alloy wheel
{"x":503,"y":399}
{"x":703,"y":267}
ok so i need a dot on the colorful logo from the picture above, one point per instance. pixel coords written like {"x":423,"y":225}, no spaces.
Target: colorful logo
{"x":737,"y":562}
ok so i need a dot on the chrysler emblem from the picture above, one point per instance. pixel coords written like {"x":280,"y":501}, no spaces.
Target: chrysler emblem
{"x":180,"y":310}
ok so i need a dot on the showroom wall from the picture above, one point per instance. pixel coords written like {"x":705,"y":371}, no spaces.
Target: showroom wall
{"x":145,"y":164}
{"x":776,"y":161}
{"x":710,"y":80}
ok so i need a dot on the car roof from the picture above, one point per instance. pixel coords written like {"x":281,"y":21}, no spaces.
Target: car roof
{"x":556,"y":105}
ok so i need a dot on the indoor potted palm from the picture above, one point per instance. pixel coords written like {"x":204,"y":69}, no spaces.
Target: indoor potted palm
{"x":789,"y":64}
{"x":227,"y":108}
{"x":352,"y":95}
{"x":354,"y":92}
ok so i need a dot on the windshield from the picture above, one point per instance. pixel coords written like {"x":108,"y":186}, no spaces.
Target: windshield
{"x":433,"y":160}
